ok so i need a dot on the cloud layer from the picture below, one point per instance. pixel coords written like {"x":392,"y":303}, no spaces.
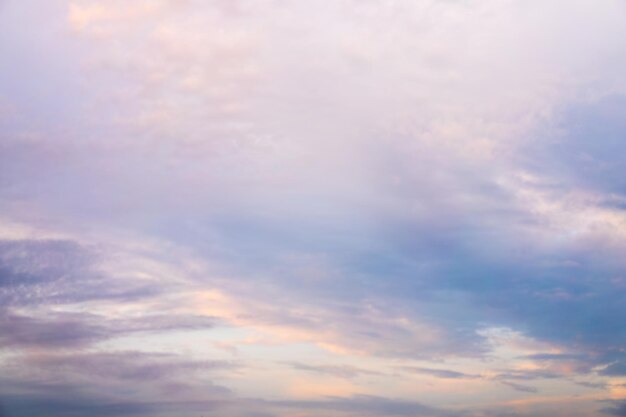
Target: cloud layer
{"x":274,"y":208}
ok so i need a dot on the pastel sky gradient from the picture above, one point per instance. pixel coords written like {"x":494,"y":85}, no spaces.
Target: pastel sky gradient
{"x":332,"y":208}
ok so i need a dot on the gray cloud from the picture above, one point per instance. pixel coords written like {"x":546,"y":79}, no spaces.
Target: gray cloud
{"x":128,"y":366}
{"x":520,"y":387}
{"x":618,"y":408}
{"x":22,"y":406}
{"x":528,"y":374}
{"x":113,"y":383}
{"x":80,"y":329}
{"x":594,"y":385}
{"x":340,"y":371}
{"x":557,"y":357}
{"x":50,"y":271}
{"x":439,"y":373}
{"x":369,"y":405}
{"x":226,"y":406}
{"x":61,"y":330}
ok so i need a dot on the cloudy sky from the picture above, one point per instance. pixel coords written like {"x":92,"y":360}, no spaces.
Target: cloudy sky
{"x":333,"y":208}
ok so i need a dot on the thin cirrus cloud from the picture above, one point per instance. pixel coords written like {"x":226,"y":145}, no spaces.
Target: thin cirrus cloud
{"x":272,"y":208}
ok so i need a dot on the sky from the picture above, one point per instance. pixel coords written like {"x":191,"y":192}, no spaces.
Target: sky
{"x":333,"y":208}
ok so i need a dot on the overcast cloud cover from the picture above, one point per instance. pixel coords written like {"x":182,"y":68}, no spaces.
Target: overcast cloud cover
{"x":280,"y":208}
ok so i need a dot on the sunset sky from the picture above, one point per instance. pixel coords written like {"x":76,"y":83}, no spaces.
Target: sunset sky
{"x":329,"y":208}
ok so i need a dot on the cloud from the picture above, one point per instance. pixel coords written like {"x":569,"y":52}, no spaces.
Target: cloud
{"x":368,"y":405}
{"x":520,"y":387}
{"x":51,"y":271}
{"x":385,"y":181}
{"x":529,"y":374}
{"x":64,"y":330}
{"x":439,"y":373}
{"x":57,"y":293}
{"x":614,"y":369}
{"x":130,"y":366}
{"x":340,"y":371}
{"x":585,"y":153}
{"x":618,"y":409}
{"x":594,"y":385}
{"x":555,"y":357}
{"x":113,"y":383}
{"x":81,"y":329}
{"x":21,"y":406}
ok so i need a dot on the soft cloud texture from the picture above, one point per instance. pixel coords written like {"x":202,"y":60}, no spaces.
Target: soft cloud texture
{"x":278,"y":208}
